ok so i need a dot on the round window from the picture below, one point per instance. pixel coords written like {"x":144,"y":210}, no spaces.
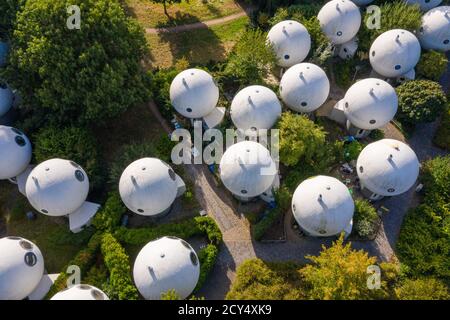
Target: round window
{"x":20,"y":141}
{"x":373,"y":53}
{"x":345,"y":50}
{"x":372,"y":121}
{"x":244,"y":191}
{"x":26,"y":245}
{"x":346,"y":104}
{"x":172,"y":175}
{"x":286,"y":57}
{"x":194,"y":258}
{"x":189,"y":110}
{"x":339,"y":33}
{"x":30,"y":259}
{"x":253,"y":128}
{"x":361,"y":169}
{"x":397,"y":67}
{"x":140,"y":210}
{"x":293,"y":207}
{"x":304,"y":104}
{"x":446,"y":41}
{"x":391,"y":190}
{"x":97,"y":295}
{"x":44,"y":211}
{"x":79,"y":175}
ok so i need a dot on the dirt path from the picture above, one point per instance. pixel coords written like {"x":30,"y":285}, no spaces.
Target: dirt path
{"x":201,"y":24}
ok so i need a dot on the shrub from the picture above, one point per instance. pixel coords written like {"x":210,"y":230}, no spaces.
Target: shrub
{"x":170,"y":295}
{"x":108,"y":217}
{"x":160,"y":87}
{"x":442,"y":137}
{"x":344,"y":72}
{"x":118,"y":264}
{"x":423,"y":289}
{"x":97,"y":276}
{"x":84,"y":260}
{"x":300,"y":139}
{"x":436,"y":179}
{"x":432,"y":65}
{"x":207,"y":257}
{"x":420,"y":101}
{"x":258,"y":280}
{"x":365,"y":220}
{"x":8,"y":12}
{"x":265,"y":223}
{"x":250,"y":59}
{"x":208,"y":226}
{"x":71,"y":143}
{"x":376,"y":134}
{"x":352,"y":150}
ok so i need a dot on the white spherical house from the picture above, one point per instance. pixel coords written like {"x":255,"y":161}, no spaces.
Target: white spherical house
{"x":425,"y":5}
{"x":434,"y":34}
{"x":15,"y":150}
{"x":323,"y":206}
{"x":370,"y":104}
{"x":247,"y":169}
{"x":148,"y":187}
{"x":165,"y":264}
{"x":6,"y":99}
{"x":304,"y":87}
{"x":291,"y":42}
{"x":81,"y":292}
{"x":362,"y":2}
{"x":255,"y":108}
{"x":4,"y":49}
{"x":193,"y":93}
{"x":394,"y":53}
{"x":21,"y":268}
{"x":387,"y":168}
{"x":340,"y":20}
{"x":57,"y":187}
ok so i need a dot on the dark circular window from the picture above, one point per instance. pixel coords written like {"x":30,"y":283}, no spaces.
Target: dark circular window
{"x":184,"y":243}
{"x":140,"y":210}
{"x":172,"y":175}
{"x":20,"y":141}
{"x":373,"y":53}
{"x":16,"y":131}
{"x":339,"y":33}
{"x":293,"y":207}
{"x":397,"y":67}
{"x":194,"y":258}
{"x":26,"y":245}
{"x":361,"y":169}
{"x":253,"y":128}
{"x":345,"y":50}
{"x":189,"y":110}
{"x":446,"y":41}
{"x":286,"y":57}
{"x":44,"y":211}
{"x":390,"y":190}
{"x":97,"y":295}
{"x":244,"y":191}
{"x":30,"y":259}
{"x":304,"y":104}
{"x":79,"y":175}
{"x":322,"y":231}
{"x":346,"y":104}
{"x":372,"y":121}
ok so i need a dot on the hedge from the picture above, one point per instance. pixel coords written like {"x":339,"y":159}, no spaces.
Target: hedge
{"x":207,"y":257}
{"x":365,"y":220}
{"x":210,"y":227}
{"x":85,"y":259}
{"x":108,"y":217}
{"x":118,"y":264}
{"x":442,"y":137}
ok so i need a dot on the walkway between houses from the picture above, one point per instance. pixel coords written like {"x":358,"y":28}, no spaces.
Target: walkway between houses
{"x":201,"y":24}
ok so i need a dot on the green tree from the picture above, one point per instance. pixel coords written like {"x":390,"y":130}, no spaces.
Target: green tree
{"x":365,"y":220}
{"x":170,"y":295}
{"x":420,"y":101}
{"x":340,"y":273}
{"x":83,"y":75}
{"x":165,"y":3}
{"x":251,"y":59}
{"x":8,"y":11}
{"x":70,"y":143}
{"x":442,"y":137}
{"x":432,"y":65}
{"x":300,"y":139}
{"x":422,"y":289}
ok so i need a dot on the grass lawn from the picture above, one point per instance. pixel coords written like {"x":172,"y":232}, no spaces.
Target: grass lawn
{"x":198,"y":46}
{"x":151,"y":15}
{"x":52,"y":235}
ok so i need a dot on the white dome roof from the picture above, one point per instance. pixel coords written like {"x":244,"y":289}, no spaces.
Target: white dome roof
{"x":425,"y":5}
{"x":362,"y":2}
{"x":4,"y":49}
{"x":435,"y":31}
{"x":148,"y":186}
{"x":370,"y":103}
{"x":6,"y":99}
{"x":21,"y":268}
{"x":304,"y":87}
{"x":194,"y":93}
{"x":57,"y":187}
{"x":322,"y":206}
{"x":395,"y":52}
{"x":388,"y":167}
{"x":81,"y":292}
{"x":15,"y":150}
{"x":165,"y":264}
{"x":247,"y":169}
{"x":255,"y":107}
{"x":340,"y":20}
{"x":291,"y":42}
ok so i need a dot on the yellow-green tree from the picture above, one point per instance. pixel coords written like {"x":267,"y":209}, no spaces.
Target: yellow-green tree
{"x":422,"y":289}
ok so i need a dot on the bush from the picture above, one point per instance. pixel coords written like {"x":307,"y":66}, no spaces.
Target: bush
{"x":208,"y":226}
{"x":170,"y":295}
{"x":108,"y":217}
{"x":97,"y":276}
{"x":432,"y":65}
{"x":118,"y":264}
{"x":420,"y":101}
{"x":365,"y":220}
{"x":442,"y":137}
{"x":352,"y":150}
{"x":265,"y":223}
{"x":258,"y":280}
{"x":85,"y":259}
{"x":250,"y":60}
{"x":207,"y":257}
{"x":344,"y":72}
{"x":71,"y":143}
{"x":436,"y":180}
{"x":423,"y":289}
{"x":376,"y":134}
{"x":8,"y":12}
{"x":160,"y":86}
